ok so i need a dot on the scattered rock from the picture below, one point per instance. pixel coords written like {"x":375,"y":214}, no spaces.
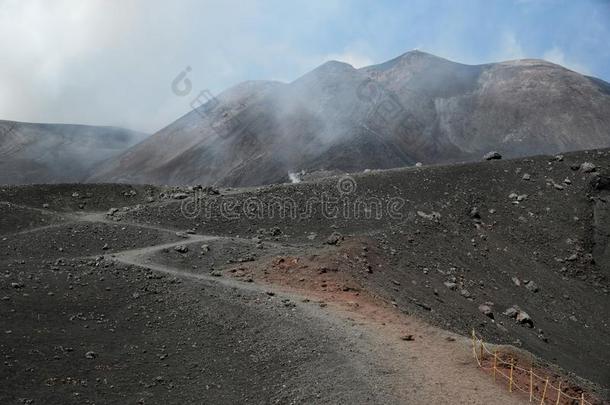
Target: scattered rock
{"x":181,"y":249}
{"x":524,"y":319}
{"x":179,"y":196}
{"x":520,"y":316}
{"x":512,"y":311}
{"x":474,"y":213}
{"x":450,"y":285}
{"x":408,"y":338}
{"x":526,"y":177}
{"x":334,"y":238}
{"x":531,"y":286}
{"x":465,"y":293}
{"x":486,"y":310}
{"x":587,"y":167}
{"x":90,"y":355}
{"x":492,"y":156}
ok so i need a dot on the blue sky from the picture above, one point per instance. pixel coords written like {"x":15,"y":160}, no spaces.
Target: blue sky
{"x":112,"y":62}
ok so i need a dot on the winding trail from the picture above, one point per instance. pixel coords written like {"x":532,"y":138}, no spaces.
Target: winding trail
{"x":437,"y":367}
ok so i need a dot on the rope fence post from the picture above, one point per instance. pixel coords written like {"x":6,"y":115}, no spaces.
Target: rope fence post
{"x":531,"y":384}
{"x":510,"y":382}
{"x":546,"y":384}
{"x":558,"y":393}
{"x":495,"y":362}
{"x":474,"y":348}
{"x":481,"y":350}
{"x":582,"y":398}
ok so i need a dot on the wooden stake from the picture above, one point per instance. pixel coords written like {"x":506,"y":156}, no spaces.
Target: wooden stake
{"x":582,"y":398}
{"x":558,"y":393}
{"x":481,"y":350}
{"x":474,"y":347}
{"x":510,"y":383}
{"x":544,"y":391}
{"x":531,"y":384}
{"x":495,"y":362}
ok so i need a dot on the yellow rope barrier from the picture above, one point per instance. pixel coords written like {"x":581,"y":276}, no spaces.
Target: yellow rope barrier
{"x":546,"y":384}
{"x":497,"y":360}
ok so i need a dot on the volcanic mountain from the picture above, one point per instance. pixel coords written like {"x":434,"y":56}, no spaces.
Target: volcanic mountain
{"x":414,"y":108}
{"x":57,"y":153}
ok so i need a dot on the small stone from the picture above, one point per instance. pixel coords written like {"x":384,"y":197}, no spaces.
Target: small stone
{"x":524,"y":319}
{"x":492,"y":156}
{"x":450,"y":285}
{"x":486,"y":310}
{"x":408,"y":338}
{"x":512,"y":311}
{"x":474,"y":213}
{"x":334,"y":238}
{"x":90,"y":355}
{"x":181,"y":249}
{"x":526,"y":177}
{"x":587,"y":167}
{"x":531,"y":286}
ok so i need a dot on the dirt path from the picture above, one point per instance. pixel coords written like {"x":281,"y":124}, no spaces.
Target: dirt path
{"x":435,"y":367}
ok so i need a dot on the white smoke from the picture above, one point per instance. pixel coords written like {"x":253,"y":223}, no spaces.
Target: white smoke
{"x":294,"y":177}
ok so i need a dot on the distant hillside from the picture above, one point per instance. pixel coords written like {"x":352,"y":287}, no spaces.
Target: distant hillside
{"x":57,"y":153}
{"x":416,"y":107}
